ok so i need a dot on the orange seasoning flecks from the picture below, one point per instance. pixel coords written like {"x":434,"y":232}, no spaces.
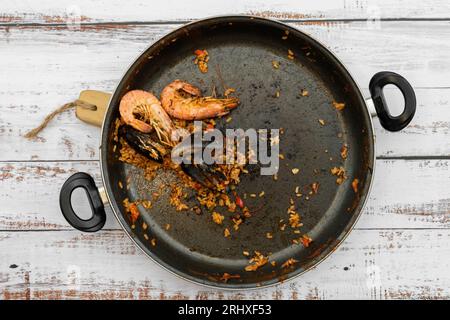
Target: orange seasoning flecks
{"x":134,"y":212}
{"x":226,"y":276}
{"x":305,"y":240}
{"x":289,"y":263}
{"x":229,"y":91}
{"x":339,"y":173}
{"x":201,"y":60}
{"x":344,"y":152}
{"x":217,"y":217}
{"x":290,"y":54}
{"x":339,"y":106}
{"x":256,"y":262}
{"x":176,"y":198}
{"x":355,"y":185}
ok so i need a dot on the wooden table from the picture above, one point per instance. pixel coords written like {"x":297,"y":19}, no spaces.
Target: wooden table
{"x":400,"y":247}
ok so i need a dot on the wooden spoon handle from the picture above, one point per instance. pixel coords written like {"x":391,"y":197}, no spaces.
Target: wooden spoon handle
{"x":100,"y":100}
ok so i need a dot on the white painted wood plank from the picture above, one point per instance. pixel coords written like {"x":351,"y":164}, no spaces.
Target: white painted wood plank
{"x":405,"y":194}
{"x":46,"y":11}
{"x":426,"y":135}
{"x":369,"y":265}
{"x":31,"y":195}
{"x":61,"y":65}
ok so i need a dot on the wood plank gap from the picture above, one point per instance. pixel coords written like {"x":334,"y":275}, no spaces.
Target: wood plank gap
{"x":181,"y":22}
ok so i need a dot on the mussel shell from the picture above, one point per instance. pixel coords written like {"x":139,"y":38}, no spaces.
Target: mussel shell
{"x":206,"y":175}
{"x":143,"y":143}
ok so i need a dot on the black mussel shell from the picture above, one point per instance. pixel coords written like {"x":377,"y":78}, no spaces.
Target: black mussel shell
{"x":206,"y":175}
{"x":143,"y":143}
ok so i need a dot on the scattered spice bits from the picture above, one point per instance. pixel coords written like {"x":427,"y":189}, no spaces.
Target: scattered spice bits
{"x":304,"y":93}
{"x":275,"y":64}
{"x":290,"y":54}
{"x":229,"y":91}
{"x":305,"y":240}
{"x":134,"y":212}
{"x":153,"y":242}
{"x":147,"y":204}
{"x":226,"y":233}
{"x":338,"y":105}
{"x":339,"y":173}
{"x":322,"y":122}
{"x":285,"y":36}
{"x":355,"y":185}
{"x":294,"y":220}
{"x":236,"y":223}
{"x":155,"y":195}
{"x":256,"y":262}
{"x":344,"y":152}
{"x":201,"y":60}
{"x":239,"y":201}
{"x":275,"y":140}
{"x":289,"y":263}
{"x":176,"y":197}
{"x":226,"y":276}
{"x":197,"y":210}
{"x":315,"y":187}
{"x":294,"y":217}
{"x":269,"y":235}
{"x":217,"y":217}
{"x":246,"y":212}
{"x":295,"y":170}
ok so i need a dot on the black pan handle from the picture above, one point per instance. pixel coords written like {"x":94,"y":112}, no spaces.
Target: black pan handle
{"x":85,"y":181}
{"x":376,"y":86}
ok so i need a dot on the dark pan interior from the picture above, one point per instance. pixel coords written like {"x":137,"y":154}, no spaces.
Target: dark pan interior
{"x":243,"y":48}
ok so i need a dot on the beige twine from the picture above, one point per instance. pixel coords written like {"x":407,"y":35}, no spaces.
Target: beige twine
{"x":77,"y":103}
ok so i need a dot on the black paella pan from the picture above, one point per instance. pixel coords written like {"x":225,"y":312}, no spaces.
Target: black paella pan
{"x":243,"y":49}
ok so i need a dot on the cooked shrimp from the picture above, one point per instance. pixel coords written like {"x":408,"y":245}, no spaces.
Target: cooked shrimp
{"x":184,"y":101}
{"x":143,"y":111}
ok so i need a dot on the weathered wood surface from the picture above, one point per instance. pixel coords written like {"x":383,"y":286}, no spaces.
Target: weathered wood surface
{"x":50,"y":12}
{"x":49,"y":75}
{"x":405,"y":194}
{"x":400,"y":246}
{"x":371,"y":264}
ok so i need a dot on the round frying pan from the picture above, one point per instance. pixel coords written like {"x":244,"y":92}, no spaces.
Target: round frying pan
{"x":241,"y":50}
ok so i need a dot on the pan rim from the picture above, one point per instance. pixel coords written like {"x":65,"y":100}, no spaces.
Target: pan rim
{"x":219,"y":285}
